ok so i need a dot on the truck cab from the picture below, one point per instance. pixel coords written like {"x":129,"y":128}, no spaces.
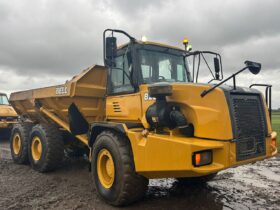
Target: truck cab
{"x":152,"y":88}
{"x":8,"y":116}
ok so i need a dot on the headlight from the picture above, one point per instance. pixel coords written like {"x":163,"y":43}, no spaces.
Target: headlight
{"x":202,"y":158}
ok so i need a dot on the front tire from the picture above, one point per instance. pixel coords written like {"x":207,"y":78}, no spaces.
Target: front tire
{"x":113,"y":170}
{"x":45,"y":148}
{"x":19,"y":142}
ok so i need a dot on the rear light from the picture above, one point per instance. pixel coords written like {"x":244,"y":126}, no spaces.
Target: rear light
{"x":273,"y":142}
{"x":274,"y":138}
{"x":202,"y":158}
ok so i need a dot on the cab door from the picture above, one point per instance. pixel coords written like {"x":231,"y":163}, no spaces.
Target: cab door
{"x":122,"y":102}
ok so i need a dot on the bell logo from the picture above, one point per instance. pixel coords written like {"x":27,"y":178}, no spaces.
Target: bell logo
{"x":61,"y":90}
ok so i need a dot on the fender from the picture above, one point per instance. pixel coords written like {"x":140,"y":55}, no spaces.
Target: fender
{"x":97,"y":128}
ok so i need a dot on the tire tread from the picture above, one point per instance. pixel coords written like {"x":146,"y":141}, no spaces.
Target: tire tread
{"x":24,"y":130}
{"x":135,"y":185}
{"x":54,"y":147}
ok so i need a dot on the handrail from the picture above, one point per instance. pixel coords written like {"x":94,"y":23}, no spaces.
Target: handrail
{"x":267,"y":96}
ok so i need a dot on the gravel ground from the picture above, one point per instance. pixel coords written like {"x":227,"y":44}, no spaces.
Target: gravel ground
{"x":254,"y":186}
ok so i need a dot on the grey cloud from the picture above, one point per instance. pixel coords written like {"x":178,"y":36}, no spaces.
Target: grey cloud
{"x":132,"y":8}
{"x":51,"y":37}
{"x":264,"y":50}
{"x":214,"y":24}
{"x":59,"y":38}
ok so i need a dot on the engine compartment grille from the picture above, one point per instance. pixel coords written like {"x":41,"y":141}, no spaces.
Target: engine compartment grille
{"x":8,"y":118}
{"x":249,"y":126}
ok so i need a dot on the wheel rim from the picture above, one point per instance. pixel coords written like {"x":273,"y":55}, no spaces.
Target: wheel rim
{"x":105,"y":168}
{"x":36,"y":148}
{"x":16,"y":144}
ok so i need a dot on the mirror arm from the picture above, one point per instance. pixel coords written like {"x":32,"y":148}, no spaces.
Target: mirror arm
{"x":200,"y":53}
{"x":205,"y":92}
{"x":132,"y":39}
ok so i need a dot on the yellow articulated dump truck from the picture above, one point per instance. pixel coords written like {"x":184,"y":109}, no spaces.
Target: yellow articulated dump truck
{"x":8,"y":116}
{"x":144,"y":115}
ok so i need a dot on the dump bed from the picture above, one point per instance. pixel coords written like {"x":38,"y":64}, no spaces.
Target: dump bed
{"x":87,"y":90}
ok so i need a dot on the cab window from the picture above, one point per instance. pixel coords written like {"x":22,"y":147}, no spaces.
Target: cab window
{"x":120,"y":73}
{"x":4,"y":100}
{"x":159,"y":66}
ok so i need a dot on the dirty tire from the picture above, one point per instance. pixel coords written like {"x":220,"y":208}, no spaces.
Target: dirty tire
{"x":52,"y":147}
{"x":23,"y":130}
{"x":196,"y":180}
{"x":128,"y":186}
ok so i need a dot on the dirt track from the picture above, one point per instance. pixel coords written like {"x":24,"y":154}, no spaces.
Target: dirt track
{"x":255,"y":186}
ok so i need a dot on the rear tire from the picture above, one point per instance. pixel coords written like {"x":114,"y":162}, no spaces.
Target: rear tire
{"x":127,"y":186}
{"x":45,"y":148}
{"x":19,"y":142}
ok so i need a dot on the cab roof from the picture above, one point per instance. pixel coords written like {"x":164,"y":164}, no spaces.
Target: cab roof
{"x":152,"y":43}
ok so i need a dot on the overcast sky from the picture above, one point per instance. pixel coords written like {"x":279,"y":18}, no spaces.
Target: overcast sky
{"x":45,"y":42}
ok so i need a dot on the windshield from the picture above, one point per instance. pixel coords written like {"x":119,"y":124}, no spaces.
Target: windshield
{"x":4,"y":100}
{"x":162,"y":66}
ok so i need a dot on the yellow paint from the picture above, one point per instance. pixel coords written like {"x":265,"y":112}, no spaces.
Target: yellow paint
{"x":36,"y":148}
{"x":159,"y":156}
{"x":210,"y":119}
{"x":16,"y":143}
{"x":209,"y":115}
{"x":155,"y":155}
{"x":105,"y":168}
{"x":87,"y":90}
{"x":82,"y":138}
{"x":7,"y":111}
{"x":152,"y":43}
{"x":124,"y":108}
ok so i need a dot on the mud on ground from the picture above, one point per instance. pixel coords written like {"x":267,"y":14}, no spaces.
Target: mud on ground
{"x":254,"y":186}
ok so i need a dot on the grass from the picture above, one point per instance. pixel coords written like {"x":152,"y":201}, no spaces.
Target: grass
{"x":276,"y":125}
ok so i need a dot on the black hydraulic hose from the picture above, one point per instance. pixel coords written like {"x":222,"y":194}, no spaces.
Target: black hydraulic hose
{"x":181,"y":123}
{"x":178,"y":118}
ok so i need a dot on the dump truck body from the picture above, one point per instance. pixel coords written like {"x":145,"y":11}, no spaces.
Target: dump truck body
{"x":87,"y":90}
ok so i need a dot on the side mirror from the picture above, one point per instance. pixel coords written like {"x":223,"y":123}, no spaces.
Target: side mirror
{"x":110,"y":49}
{"x":217,"y":68}
{"x":253,"y":67}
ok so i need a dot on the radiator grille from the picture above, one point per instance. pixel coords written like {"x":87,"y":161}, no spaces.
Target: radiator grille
{"x":8,"y":119}
{"x":250,"y":126}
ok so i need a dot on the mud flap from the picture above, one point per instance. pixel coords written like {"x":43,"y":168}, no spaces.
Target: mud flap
{"x":78,"y":124}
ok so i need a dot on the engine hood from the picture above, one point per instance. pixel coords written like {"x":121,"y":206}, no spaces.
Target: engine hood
{"x":7,"y":111}
{"x":210,"y":115}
